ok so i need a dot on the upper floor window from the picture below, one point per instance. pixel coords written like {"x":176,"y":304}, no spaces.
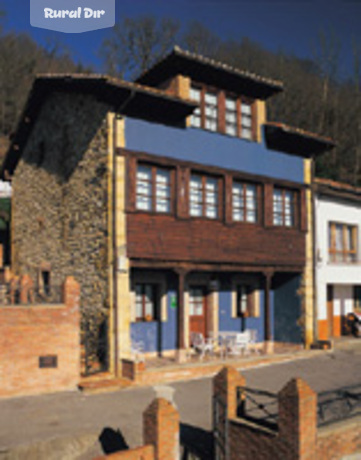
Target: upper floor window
{"x":246,"y":120}
{"x":203,"y":196}
{"x":211,"y":111}
{"x":231,"y":116}
{"x":196,"y":95}
{"x":284,"y":207}
{"x":244,"y":202}
{"x":237,"y":118}
{"x":342,"y":242}
{"x":153,"y":189}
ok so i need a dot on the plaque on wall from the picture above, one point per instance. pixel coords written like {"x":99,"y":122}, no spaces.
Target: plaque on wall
{"x":48,"y":361}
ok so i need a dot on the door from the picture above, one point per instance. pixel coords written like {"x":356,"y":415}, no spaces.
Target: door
{"x":198,"y":310}
{"x":330,"y":315}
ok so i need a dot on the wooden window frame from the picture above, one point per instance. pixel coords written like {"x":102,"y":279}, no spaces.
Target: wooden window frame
{"x":343,"y":255}
{"x":221,"y":96}
{"x":155,"y":303}
{"x":153,"y":185}
{"x":244,"y":185}
{"x":294,"y":207}
{"x":203,"y":203}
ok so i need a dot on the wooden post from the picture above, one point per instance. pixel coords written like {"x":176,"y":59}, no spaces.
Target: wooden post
{"x":268,"y":336}
{"x":181,"y":315}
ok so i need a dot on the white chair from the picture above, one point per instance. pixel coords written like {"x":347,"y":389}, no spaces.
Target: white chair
{"x":238,"y":344}
{"x":201,"y":345}
{"x":252,"y":346}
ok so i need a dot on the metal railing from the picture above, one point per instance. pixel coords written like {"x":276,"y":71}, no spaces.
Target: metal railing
{"x":336,"y":405}
{"x":258,"y":406}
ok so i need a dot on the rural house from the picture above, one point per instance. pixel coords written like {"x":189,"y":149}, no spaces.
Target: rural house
{"x":338,"y":277}
{"x":173,"y":202}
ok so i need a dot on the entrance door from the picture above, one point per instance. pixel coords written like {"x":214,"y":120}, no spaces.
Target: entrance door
{"x":330,"y":311}
{"x":198,"y":309}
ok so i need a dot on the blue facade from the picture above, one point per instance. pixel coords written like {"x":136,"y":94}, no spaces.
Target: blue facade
{"x":158,"y":335}
{"x":208,"y":148}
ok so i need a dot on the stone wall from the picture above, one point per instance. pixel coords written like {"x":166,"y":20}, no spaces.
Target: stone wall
{"x":60,"y":199}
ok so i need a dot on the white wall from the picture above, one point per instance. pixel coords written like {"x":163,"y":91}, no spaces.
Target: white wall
{"x":342,"y":275}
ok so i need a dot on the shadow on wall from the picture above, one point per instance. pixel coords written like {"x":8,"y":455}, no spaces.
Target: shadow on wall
{"x":68,"y":127}
{"x":196,"y":443}
{"x":112,"y":441}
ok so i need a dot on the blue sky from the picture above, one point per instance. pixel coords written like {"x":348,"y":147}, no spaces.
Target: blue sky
{"x":292,"y":26}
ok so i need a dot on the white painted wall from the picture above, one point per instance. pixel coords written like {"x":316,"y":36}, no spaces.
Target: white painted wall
{"x":342,"y":275}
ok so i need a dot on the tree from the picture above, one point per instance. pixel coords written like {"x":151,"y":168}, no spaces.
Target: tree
{"x":137,"y":44}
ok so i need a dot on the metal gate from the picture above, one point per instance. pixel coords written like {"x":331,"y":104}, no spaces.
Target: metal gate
{"x":220,"y":428}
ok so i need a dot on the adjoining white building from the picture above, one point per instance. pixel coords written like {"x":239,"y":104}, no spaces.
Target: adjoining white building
{"x":337,"y":254}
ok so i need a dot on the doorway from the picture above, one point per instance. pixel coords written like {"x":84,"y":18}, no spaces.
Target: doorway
{"x":198,"y":310}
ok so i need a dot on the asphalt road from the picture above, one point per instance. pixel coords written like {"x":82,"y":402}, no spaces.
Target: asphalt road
{"x":69,"y":425}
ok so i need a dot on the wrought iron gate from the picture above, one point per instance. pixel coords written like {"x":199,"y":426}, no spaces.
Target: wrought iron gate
{"x":220,"y":428}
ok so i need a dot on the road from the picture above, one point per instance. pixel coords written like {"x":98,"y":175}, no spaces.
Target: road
{"x":73,"y":422}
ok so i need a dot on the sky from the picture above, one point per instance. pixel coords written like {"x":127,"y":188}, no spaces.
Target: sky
{"x":292,"y":26}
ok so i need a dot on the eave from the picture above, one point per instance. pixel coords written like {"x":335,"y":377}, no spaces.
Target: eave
{"x":211,"y":72}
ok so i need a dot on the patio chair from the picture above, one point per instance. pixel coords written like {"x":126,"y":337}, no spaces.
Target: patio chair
{"x":238,"y":345}
{"x":201,"y":345}
{"x":252,"y":346}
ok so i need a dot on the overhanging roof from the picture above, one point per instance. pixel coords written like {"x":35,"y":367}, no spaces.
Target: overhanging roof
{"x":288,"y":139}
{"x":203,"y":69}
{"x":340,"y":190}
{"x":126,"y":98}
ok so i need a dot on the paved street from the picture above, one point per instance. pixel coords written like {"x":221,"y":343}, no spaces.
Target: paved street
{"x":81,"y":419}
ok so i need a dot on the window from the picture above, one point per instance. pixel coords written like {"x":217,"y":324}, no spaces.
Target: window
{"x":342,"y":242}
{"x":231,"y":116}
{"x":246,"y":120}
{"x":244,"y":202}
{"x":284,"y":207}
{"x":357,"y":298}
{"x":203,"y":195}
{"x":153,"y":189}
{"x":245,"y":300}
{"x":196,"y":301}
{"x":196,"y":95}
{"x":211,"y":111}
{"x":145,"y":302}
{"x":236,"y":120}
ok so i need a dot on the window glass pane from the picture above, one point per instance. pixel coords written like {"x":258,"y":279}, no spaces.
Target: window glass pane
{"x":211,"y":197}
{"x":246,"y":133}
{"x":210,"y":98}
{"x":162,"y":191}
{"x":231,"y":130}
{"x":246,"y":109}
{"x":246,"y":122}
{"x":144,"y":188}
{"x":231,"y":104}
{"x":195,"y":94}
{"x":277,"y":207}
{"x":289,"y":214}
{"x":339,"y":238}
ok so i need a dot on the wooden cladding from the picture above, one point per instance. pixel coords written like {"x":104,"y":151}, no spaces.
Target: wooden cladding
{"x":214,"y":238}
{"x":194,"y":192}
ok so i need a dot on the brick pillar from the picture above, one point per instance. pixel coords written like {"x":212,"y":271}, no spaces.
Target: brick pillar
{"x":298,"y":420}
{"x":161,"y":429}
{"x":26,"y":286}
{"x":71,"y":293}
{"x":225,"y":385}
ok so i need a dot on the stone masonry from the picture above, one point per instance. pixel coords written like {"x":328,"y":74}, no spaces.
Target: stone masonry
{"x":59,"y":220}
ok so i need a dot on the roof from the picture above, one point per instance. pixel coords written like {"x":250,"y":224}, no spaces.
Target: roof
{"x":130,"y":99}
{"x":295,"y":141}
{"x":206,"y":70}
{"x":336,"y":189}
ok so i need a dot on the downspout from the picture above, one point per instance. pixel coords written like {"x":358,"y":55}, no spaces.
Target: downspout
{"x":314,"y":247}
{"x":114,"y":230}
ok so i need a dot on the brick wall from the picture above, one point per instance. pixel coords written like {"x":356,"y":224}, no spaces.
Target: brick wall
{"x":160,"y":435}
{"x":296,"y":437}
{"x":30,"y":332}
